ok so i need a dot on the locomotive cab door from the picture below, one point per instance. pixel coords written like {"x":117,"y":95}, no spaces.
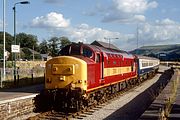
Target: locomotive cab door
{"x":100,"y":68}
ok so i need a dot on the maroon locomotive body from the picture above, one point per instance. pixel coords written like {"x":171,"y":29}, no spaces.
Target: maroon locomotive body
{"x":84,"y":74}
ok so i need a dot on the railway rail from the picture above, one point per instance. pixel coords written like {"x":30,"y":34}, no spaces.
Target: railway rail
{"x":49,"y":115}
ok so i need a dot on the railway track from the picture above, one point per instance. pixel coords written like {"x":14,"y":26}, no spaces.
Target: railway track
{"x":55,"y":115}
{"x":49,"y":115}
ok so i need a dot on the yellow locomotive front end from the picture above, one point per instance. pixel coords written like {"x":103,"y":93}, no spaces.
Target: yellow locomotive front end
{"x":64,"y":72}
{"x":65,"y":81}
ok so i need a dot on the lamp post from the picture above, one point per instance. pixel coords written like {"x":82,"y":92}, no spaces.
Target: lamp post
{"x":4,"y":38}
{"x":109,"y":40}
{"x":14,"y":9}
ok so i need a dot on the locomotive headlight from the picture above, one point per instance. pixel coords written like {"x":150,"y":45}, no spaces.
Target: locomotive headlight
{"x":62,"y":78}
{"x":85,"y":82}
{"x":79,"y":81}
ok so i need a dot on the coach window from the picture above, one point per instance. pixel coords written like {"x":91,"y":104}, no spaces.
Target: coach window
{"x":150,"y":64}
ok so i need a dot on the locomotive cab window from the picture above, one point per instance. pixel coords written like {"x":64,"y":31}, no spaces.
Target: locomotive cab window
{"x":87,"y":52}
{"x":71,"y":50}
{"x":75,"y":50}
{"x":65,"y":50}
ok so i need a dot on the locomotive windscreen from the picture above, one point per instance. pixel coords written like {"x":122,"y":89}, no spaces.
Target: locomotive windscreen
{"x":76,"y":49}
{"x":73,"y":49}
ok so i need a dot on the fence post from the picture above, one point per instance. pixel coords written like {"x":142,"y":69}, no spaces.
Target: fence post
{"x":1,"y":76}
{"x":18,"y":76}
{"x":14,"y":76}
{"x":32,"y":70}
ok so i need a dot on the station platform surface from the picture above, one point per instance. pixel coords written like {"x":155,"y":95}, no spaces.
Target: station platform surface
{"x":157,"y":110}
{"x":9,"y":94}
{"x":175,"y":111}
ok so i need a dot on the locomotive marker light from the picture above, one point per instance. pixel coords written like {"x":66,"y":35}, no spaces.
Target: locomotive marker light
{"x":14,"y":9}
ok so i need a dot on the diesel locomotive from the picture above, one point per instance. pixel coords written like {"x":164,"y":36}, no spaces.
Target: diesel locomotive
{"x":84,"y":74}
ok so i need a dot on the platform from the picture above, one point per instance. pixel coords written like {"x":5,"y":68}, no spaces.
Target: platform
{"x":18,"y":101}
{"x":160,"y":107}
{"x":9,"y":94}
{"x":175,"y":111}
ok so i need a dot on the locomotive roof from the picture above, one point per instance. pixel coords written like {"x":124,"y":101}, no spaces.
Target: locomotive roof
{"x":95,"y":48}
{"x":110,"y":51}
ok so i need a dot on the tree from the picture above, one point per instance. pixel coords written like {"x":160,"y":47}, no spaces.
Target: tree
{"x":64,"y":42}
{"x":54,"y":42}
{"x":26,"y":53}
{"x":9,"y":40}
{"x":43,"y":47}
{"x":27,"y":40}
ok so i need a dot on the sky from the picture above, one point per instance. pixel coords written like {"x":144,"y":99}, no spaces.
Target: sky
{"x":134,"y":23}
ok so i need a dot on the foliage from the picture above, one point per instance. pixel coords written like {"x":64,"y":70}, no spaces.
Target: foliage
{"x":1,"y":51}
{"x":27,"y":40}
{"x":9,"y":40}
{"x":43,"y":47}
{"x":55,"y":44}
{"x":64,"y":42}
{"x":27,"y":52}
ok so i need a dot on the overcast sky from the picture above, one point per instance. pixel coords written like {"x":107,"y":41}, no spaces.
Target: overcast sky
{"x":156,"y":21}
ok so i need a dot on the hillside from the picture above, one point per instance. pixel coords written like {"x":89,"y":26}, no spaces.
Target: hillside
{"x":164,"y":52}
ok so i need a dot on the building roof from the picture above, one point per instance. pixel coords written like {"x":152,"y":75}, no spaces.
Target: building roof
{"x":104,"y":44}
{"x":33,"y":51}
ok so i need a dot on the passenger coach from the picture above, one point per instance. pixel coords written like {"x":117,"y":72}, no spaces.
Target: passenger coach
{"x":147,"y":66}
